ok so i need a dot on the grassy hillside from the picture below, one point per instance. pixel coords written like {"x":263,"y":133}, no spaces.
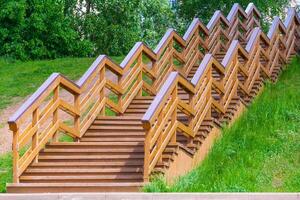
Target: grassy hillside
{"x":19,"y":79}
{"x":259,"y":153}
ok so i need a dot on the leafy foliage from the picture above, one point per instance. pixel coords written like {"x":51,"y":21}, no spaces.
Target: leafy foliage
{"x":43,"y":29}
{"x":35,"y":29}
{"x":205,"y":9}
{"x":38,"y":29}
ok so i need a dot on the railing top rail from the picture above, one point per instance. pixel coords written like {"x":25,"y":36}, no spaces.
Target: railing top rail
{"x":291,"y":15}
{"x":252,"y":8}
{"x":218,"y":15}
{"x":236,"y":8}
{"x":277,"y":24}
{"x":200,"y":70}
{"x":251,"y":42}
{"x":159,"y":97}
{"x":133,"y":53}
{"x":29,"y":103}
{"x":193,"y":26}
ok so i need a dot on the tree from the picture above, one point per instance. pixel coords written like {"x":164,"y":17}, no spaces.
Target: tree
{"x":115,"y":25}
{"x":204,"y":9}
{"x":38,"y":29}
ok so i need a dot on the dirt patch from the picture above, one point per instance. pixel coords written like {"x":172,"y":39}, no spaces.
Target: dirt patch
{"x":5,"y":133}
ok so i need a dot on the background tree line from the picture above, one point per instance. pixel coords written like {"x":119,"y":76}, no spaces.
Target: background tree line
{"x":43,"y":29}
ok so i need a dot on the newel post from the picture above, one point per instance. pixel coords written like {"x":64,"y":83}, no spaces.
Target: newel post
{"x":15,"y":148}
{"x":147,"y":127}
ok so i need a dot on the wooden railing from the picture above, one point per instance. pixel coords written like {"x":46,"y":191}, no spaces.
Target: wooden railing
{"x":107,"y":84}
{"x":215,"y":85}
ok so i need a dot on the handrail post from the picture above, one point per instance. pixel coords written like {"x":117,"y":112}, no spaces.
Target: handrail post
{"x":15,"y":148}
{"x":55,"y":112}
{"x":35,"y":137}
{"x":146,"y":152}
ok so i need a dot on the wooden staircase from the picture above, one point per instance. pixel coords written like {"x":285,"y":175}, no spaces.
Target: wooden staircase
{"x":183,"y":107}
{"x":108,"y":157}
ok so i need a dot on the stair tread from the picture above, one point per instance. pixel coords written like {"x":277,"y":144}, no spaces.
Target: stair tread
{"x":82,"y":170}
{"x":94,"y":139}
{"x":120,"y":127}
{"x":108,"y":184}
{"x":95,"y":143}
{"x":93,"y":150}
{"x":88,"y":157}
{"x":84,"y":163}
{"x":77,"y":177}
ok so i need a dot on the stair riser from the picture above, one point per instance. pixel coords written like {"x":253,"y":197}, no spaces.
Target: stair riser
{"x":97,"y":139}
{"x":70,"y":189}
{"x":74,"y":165}
{"x":83,"y":174}
{"x":117,"y":180}
{"x":90,"y":153}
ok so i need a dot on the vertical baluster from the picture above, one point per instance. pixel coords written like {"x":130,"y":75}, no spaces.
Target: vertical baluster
{"x":77,"y":117}
{"x":120,"y":99}
{"x":55,"y":113}
{"x":159,"y":139}
{"x":102,"y":94}
{"x":171,"y":60}
{"x":174,"y":115}
{"x":35,"y":137}
{"x":140,"y":76}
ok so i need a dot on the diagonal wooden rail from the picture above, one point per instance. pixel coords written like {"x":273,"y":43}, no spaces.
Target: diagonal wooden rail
{"x":39,"y":120}
{"x":233,"y":77}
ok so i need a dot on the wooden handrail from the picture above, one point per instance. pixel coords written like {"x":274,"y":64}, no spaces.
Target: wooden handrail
{"x":200,"y":103}
{"x":89,"y":92}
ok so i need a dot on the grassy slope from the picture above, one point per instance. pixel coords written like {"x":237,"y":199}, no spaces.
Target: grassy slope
{"x":260,"y":153}
{"x":19,"y":79}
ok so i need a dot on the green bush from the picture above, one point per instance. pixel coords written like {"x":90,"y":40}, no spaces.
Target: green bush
{"x":38,"y":29}
{"x":43,"y":29}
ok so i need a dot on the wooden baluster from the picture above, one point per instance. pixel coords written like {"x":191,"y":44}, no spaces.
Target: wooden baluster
{"x":55,"y":113}
{"x":77,"y":117}
{"x":171,"y":60}
{"x":147,"y":153}
{"x":140,"y":76}
{"x":159,"y":139}
{"x":174,"y":115}
{"x":120,"y":100}
{"x":102,"y":94}
{"x":35,"y":137}
{"x":16,"y":156}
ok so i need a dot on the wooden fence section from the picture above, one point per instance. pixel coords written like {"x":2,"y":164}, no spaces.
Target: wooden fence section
{"x":216,"y":85}
{"x":107,"y":84}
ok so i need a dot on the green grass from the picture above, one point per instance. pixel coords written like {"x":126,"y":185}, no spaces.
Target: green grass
{"x":19,"y":79}
{"x":259,"y":153}
{"x":5,"y":171}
